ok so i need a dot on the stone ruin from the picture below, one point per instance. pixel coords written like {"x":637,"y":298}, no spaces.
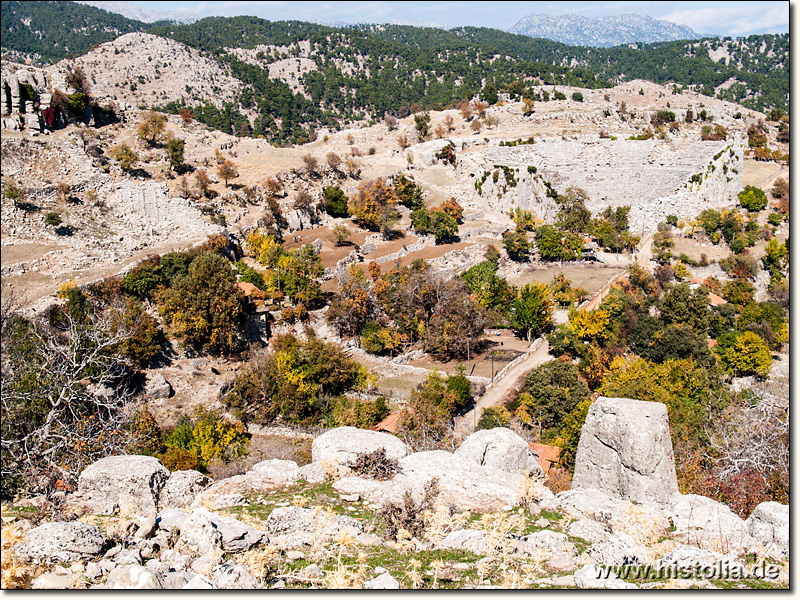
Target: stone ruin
{"x":23,"y":91}
{"x":655,"y":178}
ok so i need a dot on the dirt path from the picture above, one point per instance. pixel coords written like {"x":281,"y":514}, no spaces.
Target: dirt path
{"x":769,"y":182}
{"x":509,"y":381}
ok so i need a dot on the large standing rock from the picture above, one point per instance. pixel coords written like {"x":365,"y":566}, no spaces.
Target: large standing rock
{"x":625,"y":450}
{"x":769,"y":524}
{"x":60,"y":542}
{"x":130,"y":484}
{"x":181,"y":489}
{"x":343,"y":444}
{"x":500,"y":449}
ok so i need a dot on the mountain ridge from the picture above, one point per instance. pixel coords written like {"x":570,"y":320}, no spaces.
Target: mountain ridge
{"x":137,"y":13}
{"x":604,"y":32}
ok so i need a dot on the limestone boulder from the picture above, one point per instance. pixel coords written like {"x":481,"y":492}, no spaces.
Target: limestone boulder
{"x":500,"y":449}
{"x":204,"y":531}
{"x":707,"y":524}
{"x":625,"y":450}
{"x":459,"y":483}
{"x":618,"y":549}
{"x":769,"y":525}
{"x":157,"y":386}
{"x":233,"y":576}
{"x":181,"y":489}
{"x":341,"y":445}
{"x":464,"y":539}
{"x":293,"y":527}
{"x":130,"y":484}
{"x":65,"y":541}
{"x":264,"y":476}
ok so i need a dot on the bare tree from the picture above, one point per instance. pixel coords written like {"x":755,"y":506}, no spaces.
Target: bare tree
{"x":64,"y":401}
{"x":391,"y":122}
{"x":311,"y":164}
{"x":753,"y":437}
{"x":334,"y":161}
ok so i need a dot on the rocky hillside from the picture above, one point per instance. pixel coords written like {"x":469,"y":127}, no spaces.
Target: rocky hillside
{"x":143,"y":70}
{"x":366,"y":513}
{"x":603,"y":32}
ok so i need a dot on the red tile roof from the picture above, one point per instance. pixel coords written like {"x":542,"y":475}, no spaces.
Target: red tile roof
{"x":548,"y":455}
{"x":247,"y":287}
{"x":716,"y":300}
{"x":389,"y":424}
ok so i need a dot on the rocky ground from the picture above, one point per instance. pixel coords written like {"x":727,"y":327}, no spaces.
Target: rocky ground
{"x":479,"y":518}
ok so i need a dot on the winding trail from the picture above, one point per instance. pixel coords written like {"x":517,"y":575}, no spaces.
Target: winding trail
{"x":512,"y":379}
{"x":509,"y":381}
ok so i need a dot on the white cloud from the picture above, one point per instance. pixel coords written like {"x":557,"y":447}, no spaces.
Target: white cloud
{"x":733,"y":21}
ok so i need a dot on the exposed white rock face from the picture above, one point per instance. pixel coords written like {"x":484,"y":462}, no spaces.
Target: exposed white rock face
{"x":769,"y":524}
{"x":656,"y":175}
{"x":461,"y":483}
{"x":342,"y":445}
{"x":181,"y":489}
{"x":60,"y":542}
{"x":130,"y":484}
{"x":707,"y":524}
{"x":500,"y":449}
{"x":625,"y":450}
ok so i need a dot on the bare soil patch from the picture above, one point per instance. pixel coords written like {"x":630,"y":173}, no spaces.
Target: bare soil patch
{"x":589,"y":277}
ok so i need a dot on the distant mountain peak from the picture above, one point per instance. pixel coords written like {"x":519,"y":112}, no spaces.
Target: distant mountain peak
{"x":131,"y":11}
{"x":602,"y":32}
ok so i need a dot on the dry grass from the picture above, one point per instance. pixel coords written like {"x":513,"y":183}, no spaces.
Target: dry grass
{"x":442,"y":521}
{"x":13,"y":573}
{"x":643,"y":529}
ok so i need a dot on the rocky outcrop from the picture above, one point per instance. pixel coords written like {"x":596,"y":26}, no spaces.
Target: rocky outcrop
{"x":340,"y":446}
{"x":128,"y":484}
{"x":158,"y":387}
{"x":769,"y":525}
{"x":499,"y":449}
{"x":60,"y":542}
{"x":204,"y":532}
{"x":625,"y":450}
{"x":181,"y":489}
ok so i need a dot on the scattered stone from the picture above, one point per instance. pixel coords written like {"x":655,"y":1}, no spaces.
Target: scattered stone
{"x":147,"y":528}
{"x":383,"y":581}
{"x":134,"y":577}
{"x":295,"y":555}
{"x":172,"y":518}
{"x":703,"y":563}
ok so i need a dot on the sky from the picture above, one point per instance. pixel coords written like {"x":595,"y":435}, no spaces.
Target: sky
{"x":733,"y":18}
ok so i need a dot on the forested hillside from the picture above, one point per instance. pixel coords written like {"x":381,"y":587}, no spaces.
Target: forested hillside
{"x":337,"y":76}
